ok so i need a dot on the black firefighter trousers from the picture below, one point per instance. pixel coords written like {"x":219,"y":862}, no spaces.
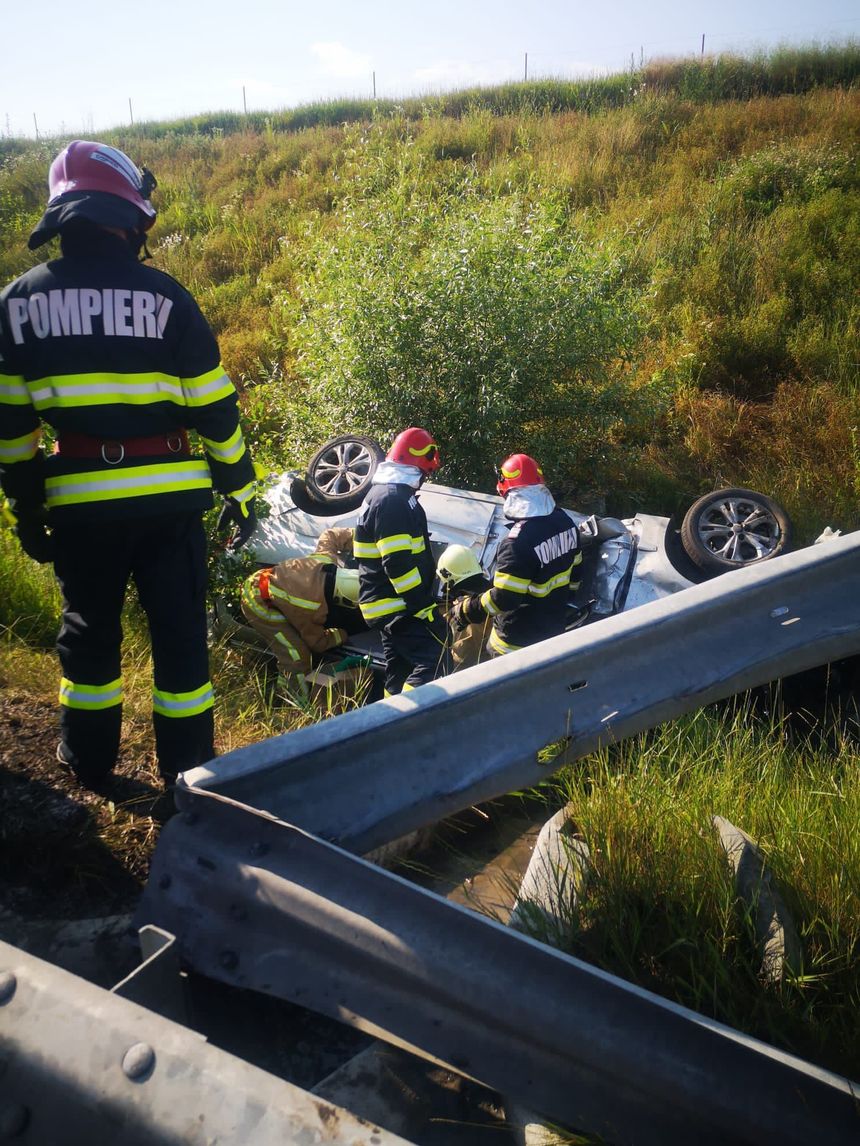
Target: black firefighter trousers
{"x":415,"y":653}
{"x":165,"y":556}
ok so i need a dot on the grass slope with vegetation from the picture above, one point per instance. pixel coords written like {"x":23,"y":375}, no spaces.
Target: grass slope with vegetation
{"x":650,"y":281}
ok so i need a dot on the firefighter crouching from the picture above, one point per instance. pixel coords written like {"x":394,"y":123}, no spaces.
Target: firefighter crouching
{"x":305,"y":606}
{"x":116,"y":357}
{"x":396,"y":567}
{"x":532,"y":580}
{"x":460,"y":575}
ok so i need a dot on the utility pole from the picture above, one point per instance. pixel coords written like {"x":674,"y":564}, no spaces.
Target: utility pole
{"x":374,"y":85}
{"x":130,"y":112}
{"x":703,"y":45}
{"x":526,"y":68}
{"x":244,"y":100}
{"x":36,"y":125}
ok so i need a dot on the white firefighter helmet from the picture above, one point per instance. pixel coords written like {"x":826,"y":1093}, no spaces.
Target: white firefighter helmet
{"x":346,"y":587}
{"x":458,"y":563}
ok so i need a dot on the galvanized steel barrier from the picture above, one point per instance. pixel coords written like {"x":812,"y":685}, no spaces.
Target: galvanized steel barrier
{"x":258,"y":902}
{"x":81,"y":1066}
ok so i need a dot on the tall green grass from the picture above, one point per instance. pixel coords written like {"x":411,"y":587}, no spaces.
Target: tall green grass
{"x":30,"y":600}
{"x":661,"y":908}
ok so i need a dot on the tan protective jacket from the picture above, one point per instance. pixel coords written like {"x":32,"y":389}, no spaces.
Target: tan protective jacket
{"x":286,"y":604}
{"x":468,"y":646}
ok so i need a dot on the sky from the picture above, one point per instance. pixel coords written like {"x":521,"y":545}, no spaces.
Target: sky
{"x":74,"y":70}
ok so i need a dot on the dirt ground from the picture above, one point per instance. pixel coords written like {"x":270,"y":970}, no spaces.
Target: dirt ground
{"x":65,"y":852}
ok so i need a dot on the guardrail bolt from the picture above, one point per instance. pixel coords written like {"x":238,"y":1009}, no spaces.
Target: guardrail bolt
{"x":14,"y":1120}
{"x":8,"y":986}
{"x":138,"y":1061}
{"x":259,"y":849}
{"x":229,"y":960}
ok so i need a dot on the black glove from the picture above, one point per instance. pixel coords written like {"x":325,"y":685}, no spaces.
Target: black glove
{"x":457,"y":618}
{"x":435,"y":622}
{"x":467,"y":611}
{"x":243,"y":518}
{"x":35,"y":539}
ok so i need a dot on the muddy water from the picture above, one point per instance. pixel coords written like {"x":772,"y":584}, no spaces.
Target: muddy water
{"x":479,"y":858}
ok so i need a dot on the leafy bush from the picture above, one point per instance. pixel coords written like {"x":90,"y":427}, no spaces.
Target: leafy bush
{"x":493,"y":321}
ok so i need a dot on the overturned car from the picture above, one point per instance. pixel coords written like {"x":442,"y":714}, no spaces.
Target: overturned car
{"x":626,"y":563}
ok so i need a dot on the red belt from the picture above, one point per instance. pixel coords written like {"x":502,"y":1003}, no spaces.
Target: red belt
{"x":114,"y":450}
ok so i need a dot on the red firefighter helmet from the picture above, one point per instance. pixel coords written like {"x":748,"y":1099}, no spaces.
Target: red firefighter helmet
{"x":86,"y":166}
{"x":99,"y":184}
{"x":415,"y":447}
{"x":518,"y":470}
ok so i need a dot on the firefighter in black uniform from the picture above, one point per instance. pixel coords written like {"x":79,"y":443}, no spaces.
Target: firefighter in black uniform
{"x":396,"y":568}
{"x":116,"y":357}
{"x":534,"y":565}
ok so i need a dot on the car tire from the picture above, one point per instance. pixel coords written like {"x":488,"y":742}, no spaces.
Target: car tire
{"x":733,"y":528}
{"x":340,"y":472}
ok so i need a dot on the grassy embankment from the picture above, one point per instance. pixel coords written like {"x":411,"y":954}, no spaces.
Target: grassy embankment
{"x":650,"y":280}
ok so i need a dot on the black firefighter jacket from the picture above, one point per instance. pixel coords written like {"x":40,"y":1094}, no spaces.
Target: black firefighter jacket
{"x":532,"y":581}
{"x":97,"y":343}
{"x":392,"y":545}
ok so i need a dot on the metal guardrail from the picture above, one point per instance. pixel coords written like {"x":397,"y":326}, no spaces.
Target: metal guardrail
{"x":369,"y":776}
{"x":81,"y":1066}
{"x":260,"y":904}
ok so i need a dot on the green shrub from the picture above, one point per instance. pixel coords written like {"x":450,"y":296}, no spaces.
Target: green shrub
{"x":494,"y":321}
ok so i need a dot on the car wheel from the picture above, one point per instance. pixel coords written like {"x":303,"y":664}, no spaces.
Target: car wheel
{"x":731,"y":528}
{"x":340,"y":472}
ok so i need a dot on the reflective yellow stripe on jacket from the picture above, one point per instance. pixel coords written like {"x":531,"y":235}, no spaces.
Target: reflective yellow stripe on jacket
{"x":206,"y":388}
{"x":134,"y":481}
{"x":500,"y":645}
{"x":13,"y":391}
{"x":244,"y":495}
{"x":20,"y":449}
{"x":386,"y":546}
{"x":382,"y":607}
{"x":255,"y":603}
{"x":230,"y":451}
{"x":289,"y":646}
{"x":534,"y":588}
{"x":488,"y":605}
{"x":109,"y":389}
{"x":411,"y":579}
{"x":299,"y":602}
